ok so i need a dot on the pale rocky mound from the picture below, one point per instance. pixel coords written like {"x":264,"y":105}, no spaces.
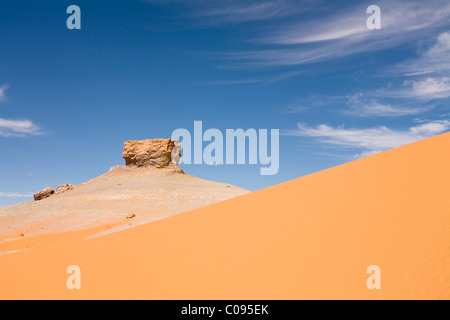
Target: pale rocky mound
{"x":149,"y":187}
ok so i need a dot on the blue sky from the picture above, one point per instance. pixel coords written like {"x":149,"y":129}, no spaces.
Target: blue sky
{"x":140,"y":69}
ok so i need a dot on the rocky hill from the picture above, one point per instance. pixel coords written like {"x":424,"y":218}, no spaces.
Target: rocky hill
{"x":150,"y":186}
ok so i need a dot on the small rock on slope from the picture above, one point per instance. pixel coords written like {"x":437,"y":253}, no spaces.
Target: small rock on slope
{"x":45,"y":193}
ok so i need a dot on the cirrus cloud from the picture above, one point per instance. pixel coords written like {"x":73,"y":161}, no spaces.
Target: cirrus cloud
{"x":3,"y":89}
{"x":371,"y":140}
{"x":370,"y":107}
{"x":15,"y":195}
{"x":15,"y":128}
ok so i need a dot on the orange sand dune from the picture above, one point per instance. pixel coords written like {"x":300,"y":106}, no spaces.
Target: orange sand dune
{"x":312,"y":237}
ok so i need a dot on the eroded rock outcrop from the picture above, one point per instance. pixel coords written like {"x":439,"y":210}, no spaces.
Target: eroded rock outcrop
{"x":159,"y":153}
{"x":48,"y":192}
{"x":45,"y":193}
{"x":63,"y":188}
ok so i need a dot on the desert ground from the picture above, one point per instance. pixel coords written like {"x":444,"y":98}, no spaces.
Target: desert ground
{"x":309,"y":238}
{"x":146,"y":193}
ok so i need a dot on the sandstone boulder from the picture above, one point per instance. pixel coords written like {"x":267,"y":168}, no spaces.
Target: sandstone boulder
{"x":45,"y":193}
{"x":154,"y":152}
{"x":63,"y":188}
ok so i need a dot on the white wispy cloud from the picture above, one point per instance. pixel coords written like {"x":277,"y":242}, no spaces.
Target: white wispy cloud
{"x":17,"y":128}
{"x":15,"y":195}
{"x":236,"y":11}
{"x":368,"y":107}
{"x":358,"y":105}
{"x":426,"y":80}
{"x":426,"y":76}
{"x":3,"y":89}
{"x":431,"y":88}
{"x":422,"y":89}
{"x":314,"y":101}
{"x":371,"y":140}
{"x":434,"y":60}
{"x":345,"y":34}
{"x":322,"y":31}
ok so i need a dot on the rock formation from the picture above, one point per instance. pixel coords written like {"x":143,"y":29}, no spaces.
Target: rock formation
{"x":151,"y":153}
{"x":63,"y":188}
{"x":48,"y":192}
{"x":149,"y":187}
{"x":158,"y":153}
{"x":45,"y":193}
